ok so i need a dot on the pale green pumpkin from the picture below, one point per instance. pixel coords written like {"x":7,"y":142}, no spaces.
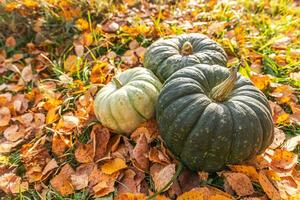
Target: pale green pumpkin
{"x":128,"y":100}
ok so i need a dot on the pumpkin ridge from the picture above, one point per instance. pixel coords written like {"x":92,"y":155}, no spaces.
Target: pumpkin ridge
{"x":133,"y":106}
{"x":267,"y":118}
{"x":111,"y":114}
{"x":256,"y":131}
{"x":157,"y":89}
{"x":174,"y":121}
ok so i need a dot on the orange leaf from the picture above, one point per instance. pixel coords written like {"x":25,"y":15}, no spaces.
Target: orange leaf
{"x":283,"y":159}
{"x":194,"y":194}
{"x":268,"y":187}
{"x":82,"y":24}
{"x":72,"y":64}
{"x":282,"y":93}
{"x":130,"y":196}
{"x":245,"y":169}
{"x":10,"y":42}
{"x":113,"y":166}
{"x":84,"y":153}
{"x":51,"y":116}
{"x":59,"y":145}
{"x":62,"y":181}
{"x":140,"y":153}
{"x":260,"y":81}
{"x":4,"y":116}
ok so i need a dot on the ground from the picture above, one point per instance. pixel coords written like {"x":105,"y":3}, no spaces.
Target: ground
{"x":54,"y":57}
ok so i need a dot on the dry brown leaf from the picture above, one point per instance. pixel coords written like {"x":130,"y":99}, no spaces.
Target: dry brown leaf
{"x":62,"y":182}
{"x":240,"y":183}
{"x":52,"y":164}
{"x":11,"y":183}
{"x":250,"y":171}
{"x":130,"y":196}
{"x":114,"y":143}
{"x":100,"y":137}
{"x":11,"y":133}
{"x":140,"y":153}
{"x":4,"y":116}
{"x":25,"y":119}
{"x":130,"y":58}
{"x":292,"y":143}
{"x":59,"y":145}
{"x":10,"y":41}
{"x":67,"y":123}
{"x":133,"y":44}
{"x":155,"y":155}
{"x":26,"y":74}
{"x":84,"y":153}
{"x":7,"y":146}
{"x":279,"y":115}
{"x":279,"y":137}
{"x":110,"y":27}
{"x":80,"y":181}
{"x":105,"y":184}
{"x":284,"y":160}
{"x":113,"y":166}
{"x":148,"y":128}
{"x":127,"y":183}
{"x":162,"y":177}
{"x":268,"y":187}
{"x":189,"y":180}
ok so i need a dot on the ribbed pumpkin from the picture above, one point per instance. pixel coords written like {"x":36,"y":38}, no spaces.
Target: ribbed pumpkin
{"x":128,"y":100}
{"x":166,"y":56}
{"x":210,"y":116}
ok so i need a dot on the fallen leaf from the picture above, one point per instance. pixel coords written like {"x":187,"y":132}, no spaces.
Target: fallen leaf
{"x":194,"y":194}
{"x":292,"y":143}
{"x":268,"y":187}
{"x":27,"y":74}
{"x":127,"y":183}
{"x":250,"y":171}
{"x":189,"y":180}
{"x":130,"y":196}
{"x":52,"y":164}
{"x":104,"y":184}
{"x":155,"y":155}
{"x":279,"y":137}
{"x":281,"y":43}
{"x":62,"y":181}
{"x":140,"y":153}
{"x":51,"y":116}
{"x":240,"y":183}
{"x":287,"y":185}
{"x":11,"y":183}
{"x":11,"y":133}
{"x":100,"y":138}
{"x":10,"y":42}
{"x":279,"y":115}
{"x":7,"y":146}
{"x":113,"y":166}
{"x":72,"y":64}
{"x":25,"y":119}
{"x":162,"y":177}
{"x":82,"y":24}
{"x":260,"y":81}
{"x":284,"y":160}
{"x":4,"y":116}
{"x":133,"y":44}
{"x":80,"y":181}
{"x":59,"y":145}
{"x":282,"y":93}
{"x":110,"y":27}
{"x":67,"y":123}
{"x":84,"y":153}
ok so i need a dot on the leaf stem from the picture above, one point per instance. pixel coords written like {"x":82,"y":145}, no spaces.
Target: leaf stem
{"x":186,"y":49}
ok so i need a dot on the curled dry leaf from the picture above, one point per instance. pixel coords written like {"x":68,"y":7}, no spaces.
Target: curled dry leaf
{"x":113,"y":166}
{"x":80,"y":181}
{"x":62,"y":181}
{"x":282,"y":93}
{"x":67,"y":123}
{"x":59,"y":144}
{"x":4,"y":116}
{"x":163,"y":176}
{"x":240,"y":183}
{"x":155,"y":155}
{"x":104,"y":183}
{"x":11,"y":183}
{"x":250,"y":171}
{"x":140,"y":153}
{"x":279,"y":137}
{"x":100,"y":138}
{"x":148,"y":128}
{"x":27,"y":74}
{"x":268,"y":187}
{"x":127,"y":183}
{"x":25,"y":119}
{"x":292,"y":143}
{"x":84,"y":153}
{"x":284,"y":160}
{"x":7,"y":146}
{"x":11,"y":133}
{"x":52,"y":164}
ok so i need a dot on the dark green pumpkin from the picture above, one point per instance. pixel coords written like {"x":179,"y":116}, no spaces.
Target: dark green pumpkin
{"x":206,"y":126}
{"x":166,"y":56}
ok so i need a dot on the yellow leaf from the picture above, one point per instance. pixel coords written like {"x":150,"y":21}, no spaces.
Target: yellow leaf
{"x":260,"y":81}
{"x":219,"y":197}
{"x":72,"y":64}
{"x":130,"y":196}
{"x":51,"y":116}
{"x":113,"y":166}
{"x":282,"y":118}
{"x":82,"y":24}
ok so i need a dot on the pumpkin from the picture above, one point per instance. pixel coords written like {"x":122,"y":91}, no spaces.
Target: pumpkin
{"x":166,"y":56}
{"x":128,"y":100}
{"x":210,"y":116}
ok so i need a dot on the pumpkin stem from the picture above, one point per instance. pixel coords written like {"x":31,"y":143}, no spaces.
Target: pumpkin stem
{"x":186,"y":49}
{"x":220,"y":92}
{"x":117,"y":82}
